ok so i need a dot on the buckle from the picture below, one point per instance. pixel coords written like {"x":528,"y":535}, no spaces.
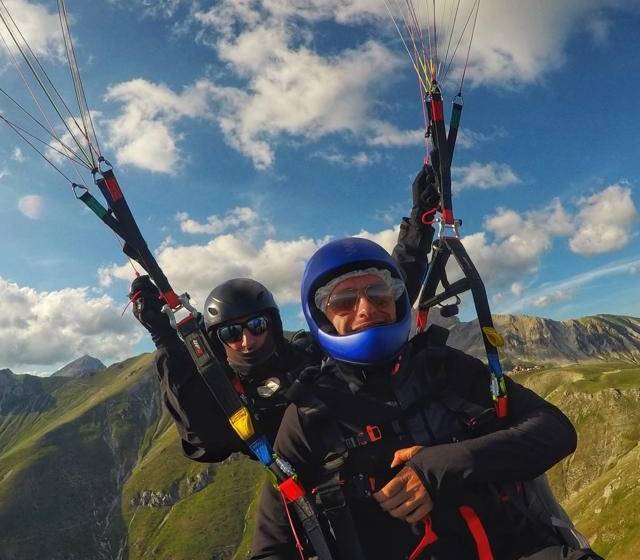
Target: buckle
{"x":374,"y":433}
{"x":370,"y":435}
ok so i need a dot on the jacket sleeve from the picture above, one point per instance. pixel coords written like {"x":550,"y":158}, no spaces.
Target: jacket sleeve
{"x":411,"y":250}
{"x":204,"y":430}
{"x":537,"y":436}
{"x":273,"y":537}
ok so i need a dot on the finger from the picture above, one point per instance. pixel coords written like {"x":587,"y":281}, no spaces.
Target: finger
{"x":396,"y":485}
{"x":403,"y":455}
{"x":407,"y":507}
{"x":395,"y":502}
{"x":419,"y":513}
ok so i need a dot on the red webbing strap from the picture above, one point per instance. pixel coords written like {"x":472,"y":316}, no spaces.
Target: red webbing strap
{"x":421,"y":319}
{"x":299,"y":546}
{"x":428,"y":538}
{"x":477,"y":532}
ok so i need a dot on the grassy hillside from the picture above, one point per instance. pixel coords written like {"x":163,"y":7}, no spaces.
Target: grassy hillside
{"x":96,"y":473}
{"x":600,"y":484}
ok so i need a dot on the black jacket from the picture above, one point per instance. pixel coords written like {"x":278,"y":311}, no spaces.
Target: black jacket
{"x":205,"y":432}
{"x":456,"y":471}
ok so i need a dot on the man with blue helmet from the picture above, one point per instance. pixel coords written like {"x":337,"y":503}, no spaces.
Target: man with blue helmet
{"x":391,"y":434}
{"x":246,"y":333}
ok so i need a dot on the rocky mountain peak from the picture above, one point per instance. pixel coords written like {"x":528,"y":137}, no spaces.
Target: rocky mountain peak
{"x":82,"y":367}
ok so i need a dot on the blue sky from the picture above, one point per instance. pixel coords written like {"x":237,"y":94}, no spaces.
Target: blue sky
{"x":246,"y":133}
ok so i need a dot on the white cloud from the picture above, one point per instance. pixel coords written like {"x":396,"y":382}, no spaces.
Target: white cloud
{"x":144,"y":134}
{"x":358,"y":160}
{"x":296,"y":92}
{"x":31,"y":206}
{"x":484,"y":176}
{"x":44,"y":328}
{"x":553,"y":292}
{"x":290,"y":89}
{"x":512,"y":244}
{"x":4,"y":172}
{"x":17,"y":155}
{"x":244,"y":217}
{"x":605,"y":221}
{"x":40,"y":27}
{"x":555,"y":297}
{"x":387,"y":135}
{"x":468,"y":138}
{"x":518,"y":42}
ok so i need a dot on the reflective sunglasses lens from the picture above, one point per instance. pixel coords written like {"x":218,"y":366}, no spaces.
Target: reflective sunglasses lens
{"x":257,"y":325}
{"x":379,"y":294}
{"x":343,"y":301}
{"x":230,"y":333}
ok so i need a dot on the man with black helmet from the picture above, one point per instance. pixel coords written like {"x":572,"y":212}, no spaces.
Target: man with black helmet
{"x":393,"y":435}
{"x":246,"y":334}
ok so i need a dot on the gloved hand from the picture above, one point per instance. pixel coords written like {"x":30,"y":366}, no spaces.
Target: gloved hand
{"x":147,"y":308}
{"x":424,"y":191}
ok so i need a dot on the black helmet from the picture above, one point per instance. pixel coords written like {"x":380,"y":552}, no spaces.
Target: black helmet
{"x":234,"y":299}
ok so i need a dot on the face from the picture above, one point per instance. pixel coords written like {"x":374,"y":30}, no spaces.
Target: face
{"x":365,"y":313}
{"x":249,"y":342}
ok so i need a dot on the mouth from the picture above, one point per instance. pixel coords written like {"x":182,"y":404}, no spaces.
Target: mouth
{"x":368,"y":324}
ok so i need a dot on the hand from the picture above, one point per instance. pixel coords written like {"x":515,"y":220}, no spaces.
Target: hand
{"x":405,"y":496}
{"x":147,"y":308}
{"x":424,"y":190}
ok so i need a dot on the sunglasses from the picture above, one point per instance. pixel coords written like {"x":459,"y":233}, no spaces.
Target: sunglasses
{"x":345,"y":301}
{"x":233,"y":333}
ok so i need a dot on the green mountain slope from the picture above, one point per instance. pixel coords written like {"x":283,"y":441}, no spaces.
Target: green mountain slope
{"x":600,"y":484}
{"x":95,"y":472}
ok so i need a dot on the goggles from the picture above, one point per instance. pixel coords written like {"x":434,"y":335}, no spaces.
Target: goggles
{"x":233,"y":333}
{"x":345,"y":301}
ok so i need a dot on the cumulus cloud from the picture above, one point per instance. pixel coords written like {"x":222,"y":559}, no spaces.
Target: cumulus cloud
{"x":39,"y":26}
{"x":296,"y":92}
{"x":605,"y":221}
{"x":290,"y":90}
{"x":44,"y":328}
{"x":512,"y":243}
{"x":518,"y":42}
{"x":144,"y":134}
{"x":239,"y":217}
{"x":484,"y":176}
{"x":31,"y":206}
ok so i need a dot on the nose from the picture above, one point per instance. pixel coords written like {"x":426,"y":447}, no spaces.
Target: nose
{"x":364,"y":307}
{"x":248,"y":340}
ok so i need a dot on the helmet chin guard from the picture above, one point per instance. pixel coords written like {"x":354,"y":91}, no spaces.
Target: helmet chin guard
{"x":371,"y":346}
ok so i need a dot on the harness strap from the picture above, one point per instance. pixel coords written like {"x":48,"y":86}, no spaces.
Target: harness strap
{"x":330,"y":494}
{"x":477,"y":532}
{"x":299,"y":546}
{"x":428,"y":538}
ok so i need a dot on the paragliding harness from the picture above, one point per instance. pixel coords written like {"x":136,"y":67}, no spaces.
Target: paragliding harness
{"x":533,"y":500}
{"x":448,"y":244}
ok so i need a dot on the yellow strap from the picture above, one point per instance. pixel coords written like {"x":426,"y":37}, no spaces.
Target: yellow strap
{"x":493,"y":336}
{"x":241,"y":423}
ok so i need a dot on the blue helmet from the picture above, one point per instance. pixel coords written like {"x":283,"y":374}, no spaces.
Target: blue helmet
{"x":370,"y":346}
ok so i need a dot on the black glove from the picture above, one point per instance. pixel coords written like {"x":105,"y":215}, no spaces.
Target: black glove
{"x":426,"y":198}
{"x":147,"y":308}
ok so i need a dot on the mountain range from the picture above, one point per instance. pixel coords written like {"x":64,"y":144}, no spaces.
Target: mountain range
{"x":91,"y":466}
